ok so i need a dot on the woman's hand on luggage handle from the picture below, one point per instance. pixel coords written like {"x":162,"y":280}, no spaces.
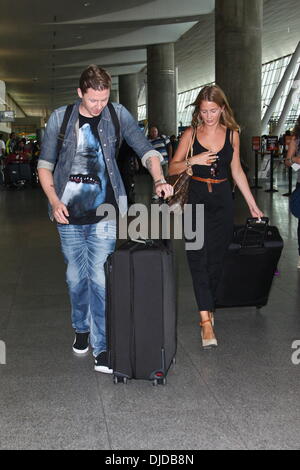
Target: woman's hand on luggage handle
{"x":60,"y":212}
{"x":255,"y":211}
{"x":204,"y":158}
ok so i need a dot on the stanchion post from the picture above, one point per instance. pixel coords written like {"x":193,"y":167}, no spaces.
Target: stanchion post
{"x":256,"y":146}
{"x":272,"y":145}
{"x":256,"y":186}
{"x":287,"y":140}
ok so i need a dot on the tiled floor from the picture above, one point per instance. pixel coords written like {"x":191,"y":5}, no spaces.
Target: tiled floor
{"x":243,"y":395}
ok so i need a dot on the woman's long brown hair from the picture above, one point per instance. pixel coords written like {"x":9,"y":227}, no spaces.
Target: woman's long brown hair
{"x":216,"y":95}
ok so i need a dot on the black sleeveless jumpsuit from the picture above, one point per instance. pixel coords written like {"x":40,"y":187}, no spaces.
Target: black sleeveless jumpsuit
{"x":206,"y":264}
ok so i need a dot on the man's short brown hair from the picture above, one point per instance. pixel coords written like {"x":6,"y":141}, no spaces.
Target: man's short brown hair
{"x":94,"y":77}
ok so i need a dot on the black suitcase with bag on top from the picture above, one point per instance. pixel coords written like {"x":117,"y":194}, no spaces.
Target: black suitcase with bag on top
{"x":250,"y":265}
{"x":141,"y":311}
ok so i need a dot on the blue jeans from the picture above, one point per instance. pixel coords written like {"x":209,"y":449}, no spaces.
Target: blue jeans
{"x":85,"y":249}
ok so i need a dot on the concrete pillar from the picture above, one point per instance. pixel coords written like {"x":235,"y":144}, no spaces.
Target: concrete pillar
{"x":2,"y":95}
{"x":128,"y":93}
{"x":114,"y":96}
{"x":40,"y":134}
{"x":239,"y":65}
{"x":161,"y":90}
{"x":5,"y":127}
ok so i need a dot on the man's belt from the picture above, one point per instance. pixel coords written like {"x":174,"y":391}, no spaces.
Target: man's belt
{"x":84,"y":179}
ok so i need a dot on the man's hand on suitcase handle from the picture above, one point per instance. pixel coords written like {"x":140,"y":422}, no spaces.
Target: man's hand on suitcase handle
{"x":164,"y":190}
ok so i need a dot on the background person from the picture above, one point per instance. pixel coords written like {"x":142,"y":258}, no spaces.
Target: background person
{"x":11,"y":143}
{"x":2,"y":147}
{"x":293,"y":156}
{"x":2,"y":157}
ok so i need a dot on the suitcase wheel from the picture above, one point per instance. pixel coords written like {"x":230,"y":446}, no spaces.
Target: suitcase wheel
{"x":162,"y":381}
{"x":120,"y":379}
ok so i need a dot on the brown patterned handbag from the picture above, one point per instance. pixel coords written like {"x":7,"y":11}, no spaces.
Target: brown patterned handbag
{"x":180,"y":182}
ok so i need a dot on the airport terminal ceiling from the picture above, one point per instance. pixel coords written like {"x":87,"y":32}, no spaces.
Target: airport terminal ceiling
{"x":45,"y":45}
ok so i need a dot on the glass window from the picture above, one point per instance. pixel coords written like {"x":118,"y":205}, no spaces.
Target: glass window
{"x":142,"y":112}
{"x":272,"y":73}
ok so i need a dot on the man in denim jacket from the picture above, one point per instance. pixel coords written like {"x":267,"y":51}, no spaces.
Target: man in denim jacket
{"x":77,"y":184}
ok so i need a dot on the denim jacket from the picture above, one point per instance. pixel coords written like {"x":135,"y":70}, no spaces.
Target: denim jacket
{"x":108,"y":139}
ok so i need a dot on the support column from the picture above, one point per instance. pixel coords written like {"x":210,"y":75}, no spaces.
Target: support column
{"x":40,"y":132}
{"x":128,"y":93}
{"x":114,"y":96}
{"x":161,"y":89}
{"x":4,"y":126}
{"x":2,"y":95}
{"x":239,"y":65}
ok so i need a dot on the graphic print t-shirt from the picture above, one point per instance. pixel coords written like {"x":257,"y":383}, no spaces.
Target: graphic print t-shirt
{"x":89,"y":185}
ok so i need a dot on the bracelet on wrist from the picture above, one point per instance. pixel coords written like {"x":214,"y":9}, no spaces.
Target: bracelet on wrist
{"x":161,"y":181}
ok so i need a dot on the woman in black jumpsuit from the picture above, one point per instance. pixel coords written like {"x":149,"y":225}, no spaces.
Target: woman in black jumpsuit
{"x":215,"y":153}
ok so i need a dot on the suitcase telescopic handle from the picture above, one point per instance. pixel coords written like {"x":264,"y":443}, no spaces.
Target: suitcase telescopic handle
{"x":255,"y":220}
{"x":253,"y":223}
{"x":147,"y":242}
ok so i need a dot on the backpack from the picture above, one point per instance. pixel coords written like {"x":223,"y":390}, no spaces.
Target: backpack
{"x":66,"y":119}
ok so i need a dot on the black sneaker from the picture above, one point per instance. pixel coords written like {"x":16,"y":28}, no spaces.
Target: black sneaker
{"x":101,"y":363}
{"x":81,"y":343}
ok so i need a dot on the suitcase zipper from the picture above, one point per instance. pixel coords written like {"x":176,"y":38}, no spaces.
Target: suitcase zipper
{"x":109,"y":323}
{"x":132,"y":344}
{"x":163,"y":365}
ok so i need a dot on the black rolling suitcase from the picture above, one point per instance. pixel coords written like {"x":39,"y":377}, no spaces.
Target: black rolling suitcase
{"x":250,"y":265}
{"x":17,"y":172}
{"x":12,"y":173}
{"x":141,"y":311}
{"x":25,"y":172}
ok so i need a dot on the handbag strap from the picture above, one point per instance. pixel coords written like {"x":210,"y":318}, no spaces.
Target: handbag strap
{"x":190,"y":149}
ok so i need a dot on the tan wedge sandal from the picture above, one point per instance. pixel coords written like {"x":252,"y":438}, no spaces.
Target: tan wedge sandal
{"x":212,"y":342}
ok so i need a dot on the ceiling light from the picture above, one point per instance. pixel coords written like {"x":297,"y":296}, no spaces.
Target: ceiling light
{"x":86,"y":4}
